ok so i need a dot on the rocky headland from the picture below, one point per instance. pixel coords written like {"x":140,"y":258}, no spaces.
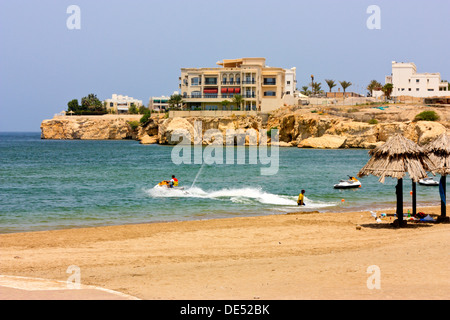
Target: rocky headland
{"x":305,"y":127}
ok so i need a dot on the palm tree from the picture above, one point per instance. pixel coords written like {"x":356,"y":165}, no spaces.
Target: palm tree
{"x":316,"y":87}
{"x":225,"y":104}
{"x":374,"y":85}
{"x":387,"y":90}
{"x":305,"y":91}
{"x":237,"y":100}
{"x":175,"y":100}
{"x":330,"y":83}
{"x":345,"y":85}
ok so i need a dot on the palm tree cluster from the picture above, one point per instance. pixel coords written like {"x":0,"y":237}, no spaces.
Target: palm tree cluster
{"x":316,"y":87}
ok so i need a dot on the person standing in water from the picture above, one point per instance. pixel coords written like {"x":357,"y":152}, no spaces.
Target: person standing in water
{"x":301,"y":198}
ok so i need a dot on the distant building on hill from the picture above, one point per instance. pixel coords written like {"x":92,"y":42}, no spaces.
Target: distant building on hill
{"x":261,"y":87}
{"x":121,"y":104}
{"x":159,"y":103}
{"x":407,"y":82}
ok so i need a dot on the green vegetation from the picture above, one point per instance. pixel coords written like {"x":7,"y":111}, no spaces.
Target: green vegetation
{"x":134,"y":125}
{"x":305,"y":91}
{"x":132,"y":109}
{"x":237,"y":100}
{"x":145,"y":117}
{"x":175,"y":100}
{"x":269,"y":132}
{"x":90,"y":105}
{"x":427,"y":116}
{"x":331,"y":84}
{"x":225,"y":104}
{"x":374,"y":85}
{"x":143,"y":109}
{"x":373,"y":121}
{"x":387,"y":90}
{"x":345,"y":85}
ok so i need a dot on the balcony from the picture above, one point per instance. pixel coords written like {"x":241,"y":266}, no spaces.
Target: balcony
{"x":215,"y":96}
{"x":210,"y":81}
{"x":249,"y":81}
{"x":231,"y":83}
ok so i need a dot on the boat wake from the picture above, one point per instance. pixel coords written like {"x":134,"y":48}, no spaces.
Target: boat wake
{"x":248,"y":196}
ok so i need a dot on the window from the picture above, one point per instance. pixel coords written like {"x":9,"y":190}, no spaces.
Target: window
{"x":111,"y":104}
{"x":196,"y":94}
{"x":417,"y":80}
{"x":289,"y":82}
{"x":195,"y":81}
{"x":409,"y":89}
{"x":417,"y":89}
{"x":430,"y":89}
{"x":270,"y":81}
{"x":210,"y":81}
{"x":270,"y":94}
{"x":288,"y":92}
{"x":208,"y":107}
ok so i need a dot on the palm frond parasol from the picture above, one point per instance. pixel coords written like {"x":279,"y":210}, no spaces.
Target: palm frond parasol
{"x":395,"y":158}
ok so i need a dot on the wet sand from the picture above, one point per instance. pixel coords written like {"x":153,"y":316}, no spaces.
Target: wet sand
{"x":292,"y":256}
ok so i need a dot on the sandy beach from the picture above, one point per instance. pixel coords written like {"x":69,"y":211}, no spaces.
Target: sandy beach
{"x":291,"y":256}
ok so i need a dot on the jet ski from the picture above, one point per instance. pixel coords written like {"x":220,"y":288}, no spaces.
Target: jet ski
{"x":351,"y":183}
{"x":428,"y":182}
{"x":165,"y":184}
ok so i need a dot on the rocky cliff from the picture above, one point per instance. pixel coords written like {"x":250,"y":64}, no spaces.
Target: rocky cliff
{"x":86,"y":128}
{"x":297,"y":128}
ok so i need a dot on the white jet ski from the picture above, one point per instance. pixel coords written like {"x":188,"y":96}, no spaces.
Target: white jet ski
{"x":428,"y":182}
{"x":351,"y":183}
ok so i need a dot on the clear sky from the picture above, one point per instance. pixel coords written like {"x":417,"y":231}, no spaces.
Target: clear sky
{"x":137,"y":47}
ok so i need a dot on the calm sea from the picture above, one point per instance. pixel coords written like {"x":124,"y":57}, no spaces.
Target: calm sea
{"x":52,"y":184}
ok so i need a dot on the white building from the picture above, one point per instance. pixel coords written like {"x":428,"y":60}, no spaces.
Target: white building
{"x":121,"y":104}
{"x":407,"y":82}
{"x":159,"y":103}
{"x":291,"y":81}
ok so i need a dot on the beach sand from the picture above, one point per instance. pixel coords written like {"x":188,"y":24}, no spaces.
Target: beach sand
{"x":292,"y":256}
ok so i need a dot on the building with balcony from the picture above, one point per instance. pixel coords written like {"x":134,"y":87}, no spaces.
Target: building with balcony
{"x":121,"y":104}
{"x":261,"y":87}
{"x":159,"y":103}
{"x":407,"y":82}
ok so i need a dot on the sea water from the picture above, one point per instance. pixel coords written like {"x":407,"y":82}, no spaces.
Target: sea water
{"x":54,"y":184}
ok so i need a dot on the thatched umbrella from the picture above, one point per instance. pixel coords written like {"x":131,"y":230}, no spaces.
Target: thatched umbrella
{"x":395,"y":158}
{"x":439,"y":153}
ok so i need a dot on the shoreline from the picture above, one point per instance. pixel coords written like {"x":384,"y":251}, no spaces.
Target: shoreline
{"x":287,"y":256}
{"x":335,"y":210}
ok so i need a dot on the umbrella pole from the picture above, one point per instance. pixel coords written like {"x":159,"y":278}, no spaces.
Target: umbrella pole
{"x":414,"y":199}
{"x":400,"y":202}
{"x":443,"y":217}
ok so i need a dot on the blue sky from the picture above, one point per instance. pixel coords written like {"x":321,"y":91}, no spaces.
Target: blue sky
{"x":137,"y":47}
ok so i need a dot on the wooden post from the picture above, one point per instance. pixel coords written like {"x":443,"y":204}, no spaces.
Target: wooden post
{"x":443,"y":217}
{"x":399,"y":191}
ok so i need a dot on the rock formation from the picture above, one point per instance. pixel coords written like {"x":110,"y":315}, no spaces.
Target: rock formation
{"x":305,"y":129}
